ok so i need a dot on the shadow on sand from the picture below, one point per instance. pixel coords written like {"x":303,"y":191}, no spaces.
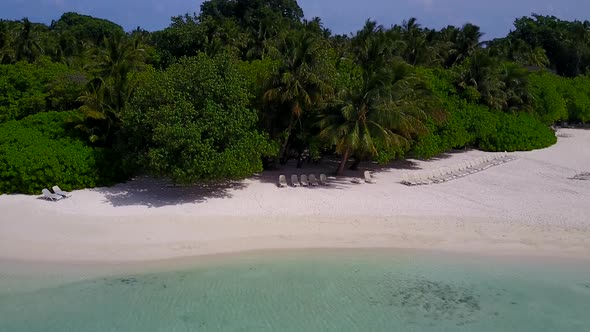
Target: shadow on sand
{"x":146,"y":191}
{"x":328,"y":166}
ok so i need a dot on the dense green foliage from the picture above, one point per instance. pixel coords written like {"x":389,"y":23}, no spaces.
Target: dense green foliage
{"x":38,"y":152}
{"x":30,"y":88}
{"x":75,"y":28}
{"x":246,"y":83}
{"x":476,"y":125}
{"x":199,"y":126}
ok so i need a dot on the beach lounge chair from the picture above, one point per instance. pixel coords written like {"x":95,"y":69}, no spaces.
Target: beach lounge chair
{"x":313,"y":180}
{"x":323,"y":180}
{"x":368,"y":177}
{"x":472,"y":166}
{"x":357,"y":181}
{"x":488,"y":162}
{"x":479,"y":164}
{"x":449,"y":173}
{"x":497,"y":160}
{"x":282,"y":181}
{"x":304,"y":180}
{"x":51,"y":196}
{"x":60,"y":192}
{"x":456,"y":171}
{"x":465,"y":168}
{"x":413,"y":179}
{"x":425,"y":178}
{"x":295,"y":181}
{"x":406,"y":179}
{"x":438,"y":176}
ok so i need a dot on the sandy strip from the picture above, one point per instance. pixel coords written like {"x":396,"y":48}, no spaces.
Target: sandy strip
{"x":530,"y":206}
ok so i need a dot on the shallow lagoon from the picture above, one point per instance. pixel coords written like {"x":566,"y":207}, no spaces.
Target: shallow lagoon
{"x":318,"y":290}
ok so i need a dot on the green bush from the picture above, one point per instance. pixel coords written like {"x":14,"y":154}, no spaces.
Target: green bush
{"x":39,"y":152}
{"x":478,"y":127}
{"x":192,"y":122}
{"x":578,"y":99}
{"x":548,"y":92}
{"x":475,"y":125}
{"x":517,"y":132}
{"x":430,"y":144}
{"x":31,"y":88}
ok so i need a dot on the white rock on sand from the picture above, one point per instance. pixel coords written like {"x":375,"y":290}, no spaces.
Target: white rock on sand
{"x":528,"y":206}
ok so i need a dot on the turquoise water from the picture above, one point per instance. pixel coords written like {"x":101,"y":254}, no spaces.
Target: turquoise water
{"x":367,"y":290}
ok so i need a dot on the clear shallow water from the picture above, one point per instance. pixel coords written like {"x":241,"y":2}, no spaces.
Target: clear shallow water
{"x":368,"y":290}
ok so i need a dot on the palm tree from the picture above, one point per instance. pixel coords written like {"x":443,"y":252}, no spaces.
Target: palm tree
{"x":518,"y":96}
{"x":26,"y":45}
{"x":519,"y":51}
{"x":379,"y":110}
{"x":6,"y":51}
{"x":371,"y":47}
{"x":380,"y":113}
{"x":482,"y":72}
{"x":301,"y":82}
{"x":114,"y":67}
{"x":467,"y":42}
{"x":417,"y":50}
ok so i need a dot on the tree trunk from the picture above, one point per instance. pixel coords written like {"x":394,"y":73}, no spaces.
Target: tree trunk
{"x":283,"y":152}
{"x":340,"y":170}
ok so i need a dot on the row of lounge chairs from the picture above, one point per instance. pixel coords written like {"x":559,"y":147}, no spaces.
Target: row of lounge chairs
{"x":454,"y":172}
{"x":311,"y":180}
{"x":367,"y":177}
{"x":56,"y":195}
{"x":306,"y":180}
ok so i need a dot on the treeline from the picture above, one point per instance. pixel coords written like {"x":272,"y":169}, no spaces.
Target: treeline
{"x":247,"y":84}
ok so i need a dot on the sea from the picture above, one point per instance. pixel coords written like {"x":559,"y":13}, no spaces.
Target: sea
{"x":300,"y":290}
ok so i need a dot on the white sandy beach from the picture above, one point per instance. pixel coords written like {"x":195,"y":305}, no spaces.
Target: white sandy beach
{"x":527,"y":206}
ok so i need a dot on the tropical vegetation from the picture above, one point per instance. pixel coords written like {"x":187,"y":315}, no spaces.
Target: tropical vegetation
{"x":249,"y":84}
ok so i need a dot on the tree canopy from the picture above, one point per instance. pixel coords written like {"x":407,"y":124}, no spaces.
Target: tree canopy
{"x":244,"y":84}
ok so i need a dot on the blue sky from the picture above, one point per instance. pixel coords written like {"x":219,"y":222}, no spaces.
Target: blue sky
{"x":341,"y":16}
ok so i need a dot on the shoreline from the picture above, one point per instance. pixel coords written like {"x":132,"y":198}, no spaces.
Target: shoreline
{"x":531,"y":206}
{"x":27,"y":276}
{"x":455,"y":236}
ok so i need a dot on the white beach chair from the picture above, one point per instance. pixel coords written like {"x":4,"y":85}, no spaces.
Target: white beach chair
{"x":304,"y":180}
{"x":405,"y":179}
{"x":497,"y":160}
{"x":472,"y":166}
{"x":459,"y":170}
{"x":487,"y":163}
{"x":447,"y":174}
{"x":323,"y":180}
{"x":50,"y":196}
{"x":439,"y":176}
{"x":413,"y":179}
{"x":466,"y":167}
{"x":480,"y":161}
{"x":282,"y":181}
{"x":295,"y":181}
{"x":368,"y":177}
{"x":60,"y":192}
{"x":313,"y":180}
{"x":423,"y":179}
{"x":431,"y":177}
